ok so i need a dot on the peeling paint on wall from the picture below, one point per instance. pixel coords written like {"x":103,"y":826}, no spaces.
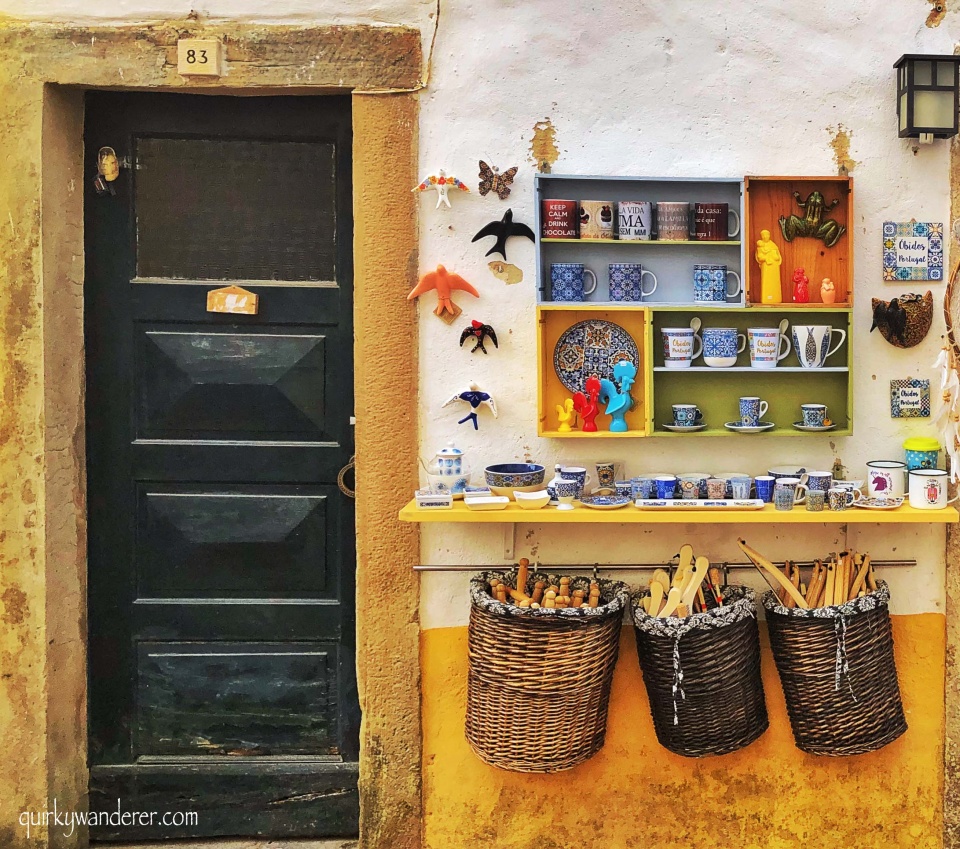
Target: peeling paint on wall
{"x":543,"y":146}
{"x":937,"y":12}
{"x":841,"y":149}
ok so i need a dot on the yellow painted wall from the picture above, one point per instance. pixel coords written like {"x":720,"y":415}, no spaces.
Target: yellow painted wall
{"x":634,"y":793}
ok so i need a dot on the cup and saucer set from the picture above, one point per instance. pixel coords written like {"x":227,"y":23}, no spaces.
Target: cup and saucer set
{"x":815,"y":419}
{"x":687,"y":418}
{"x":752,"y":411}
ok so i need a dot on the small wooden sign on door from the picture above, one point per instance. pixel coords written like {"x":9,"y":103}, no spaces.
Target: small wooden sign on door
{"x":232,"y":299}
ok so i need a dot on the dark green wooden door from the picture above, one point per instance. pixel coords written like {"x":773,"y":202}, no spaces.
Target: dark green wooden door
{"x":221,"y":551}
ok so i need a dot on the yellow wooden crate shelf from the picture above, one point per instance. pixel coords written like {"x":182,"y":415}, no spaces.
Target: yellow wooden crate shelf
{"x":640,"y":242}
{"x":630,"y":515}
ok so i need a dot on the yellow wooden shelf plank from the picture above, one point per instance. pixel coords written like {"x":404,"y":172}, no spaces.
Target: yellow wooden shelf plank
{"x":639,"y":242}
{"x":632,"y":516}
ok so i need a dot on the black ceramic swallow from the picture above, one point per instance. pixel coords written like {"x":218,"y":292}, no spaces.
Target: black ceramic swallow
{"x":894,"y":316}
{"x":503,"y":230}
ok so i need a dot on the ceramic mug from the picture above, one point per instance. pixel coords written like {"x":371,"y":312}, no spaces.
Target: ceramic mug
{"x":626,"y":281}
{"x":710,"y":283}
{"x":689,"y":488}
{"x":721,"y":346}
{"x":840,"y":498}
{"x":634,"y":220}
{"x":624,"y":489}
{"x":558,"y":219}
{"x":578,"y":474}
{"x":815,"y":500}
{"x":606,"y":474}
{"x":680,"y":346}
{"x":928,"y":489}
{"x":764,"y":485}
{"x":665,"y":484}
{"x":799,"y":489}
{"x":752,"y":411}
{"x":812,"y":343}
{"x":814,"y":415}
{"x":566,"y":493}
{"x":686,"y":415}
{"x":642,"y":487}
{"x":699,"y":478}
{"x":885,"y":478}
{"x":784,"y":497}
{"x":673,"y":221}
{"x":819,"y":480}
{"x":566,"y":281}
{"x":596,"y":219}
{"x":740,"y":487}
{"x":767,"y":346}
{"x":716,"y":488}
{"x":711,"y":222}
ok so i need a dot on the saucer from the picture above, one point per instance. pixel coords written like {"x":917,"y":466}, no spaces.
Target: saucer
{"x":813,"y":428}
{"x":739,"y":428}
{"x":879,"y":503}
{"x":605,"y":502}
{"x":684,"y":428}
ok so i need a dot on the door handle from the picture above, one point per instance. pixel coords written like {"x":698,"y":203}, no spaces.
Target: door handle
{"x":350,"y":493}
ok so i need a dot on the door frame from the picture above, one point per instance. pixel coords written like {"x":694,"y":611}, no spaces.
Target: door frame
{"x":45,"y":70}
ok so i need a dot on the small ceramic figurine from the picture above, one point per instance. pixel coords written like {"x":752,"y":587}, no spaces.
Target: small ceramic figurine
{"x":478,"y":330}
{"x":768,"y":256}
{"x":801,"y":287}
{"x":828,"y":291}
{"x":444,"y":282}
{"x":442,"y":183}
{"x":503,"y":230}
{"x":588,"y":405}
{"x":616,"y":395}
{"x":474,"y":396}
{"x":565,"y":416}
{"x":491,"y":180}
{"x":813,"y":224}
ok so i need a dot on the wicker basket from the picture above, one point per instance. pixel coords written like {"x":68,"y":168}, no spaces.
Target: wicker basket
{"x":838,"y":674}
{"x":539,"y":680}
{"x":702,"y":675}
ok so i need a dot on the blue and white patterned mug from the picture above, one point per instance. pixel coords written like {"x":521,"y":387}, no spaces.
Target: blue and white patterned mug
{"x":767,"y":346}
{"x":814,"y":415}
{"x":819,"y":480}
{"x":566,"y":281}
{"x":710,"y":283}
{"x":686,"y":415}
{"x":681,"y":346}
{"x":721,"y":346}
{"x":812,"y":343}
{"x":626,"y":281}
{"x":752,"y":410}
{"x":764,"y":485}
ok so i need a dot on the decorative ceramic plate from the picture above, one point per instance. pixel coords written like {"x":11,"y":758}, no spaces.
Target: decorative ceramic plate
{"x":592,"y":347}
{"x":684,"y":428}
{"x":605,"y":502}
{"x":813,"y":428}
{"x":699,"y":504}
{"x":736,"y":427}
{"x":879,"y":503}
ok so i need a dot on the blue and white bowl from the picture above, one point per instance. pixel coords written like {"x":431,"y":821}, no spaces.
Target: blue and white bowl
{"x":513,"y":475}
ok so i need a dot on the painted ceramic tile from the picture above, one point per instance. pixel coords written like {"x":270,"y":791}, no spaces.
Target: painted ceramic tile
{"x":910,"y":398}
{"x":912,"y":250}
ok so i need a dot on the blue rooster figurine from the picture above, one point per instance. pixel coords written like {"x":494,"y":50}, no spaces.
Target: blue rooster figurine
{"x":619,"y":401}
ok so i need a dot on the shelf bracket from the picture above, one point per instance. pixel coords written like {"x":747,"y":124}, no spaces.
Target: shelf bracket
{"x":509,"y":540}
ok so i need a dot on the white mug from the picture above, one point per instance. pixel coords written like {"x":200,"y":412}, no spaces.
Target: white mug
{"x":634,"y":221}
{"x":767,"y":346}
{"x":812,"y":343}
{"x":680,"y":346}
{"x":928,"y":489}
{"x":885,"y":478}
{"x":799,"y":489}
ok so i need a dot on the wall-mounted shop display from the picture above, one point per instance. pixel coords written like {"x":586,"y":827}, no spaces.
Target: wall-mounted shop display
{"x":492,"y":180}
{"x":502,"y":230}
{"x":478,"y":331}
{"x":444,"y":283}
{"x":903,"y":321}
{"x":912,"y":250}
{"x":441,"y":182}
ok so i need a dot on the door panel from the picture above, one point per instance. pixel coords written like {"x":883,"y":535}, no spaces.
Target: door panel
{"x":221,"y":552}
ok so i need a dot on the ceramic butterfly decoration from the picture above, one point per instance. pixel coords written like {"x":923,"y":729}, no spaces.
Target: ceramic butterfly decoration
{"x":491,"y":180}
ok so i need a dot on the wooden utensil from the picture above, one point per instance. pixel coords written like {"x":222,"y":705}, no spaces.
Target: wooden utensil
{"x":673,"y":600}
{"x":692,"y":582}
{"x":763,"y":564}
{"x":656,"y":597}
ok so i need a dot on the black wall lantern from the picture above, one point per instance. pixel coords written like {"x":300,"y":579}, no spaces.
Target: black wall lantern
{"x":928,"y":96}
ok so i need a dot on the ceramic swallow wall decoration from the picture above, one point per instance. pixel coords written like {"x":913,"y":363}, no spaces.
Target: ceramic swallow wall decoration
{"x":444,"y":283}
{"x":503,"y":230}
{"x":477,"y":331}
{"x":442,"y":182}
{"x":474,"y":396}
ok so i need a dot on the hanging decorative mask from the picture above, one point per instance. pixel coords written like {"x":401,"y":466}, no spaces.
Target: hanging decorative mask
{"x":903,"y":321}
{"x":108,"y":169}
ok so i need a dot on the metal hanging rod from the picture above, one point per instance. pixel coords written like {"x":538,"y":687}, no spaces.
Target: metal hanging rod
{"x":628,"y":567}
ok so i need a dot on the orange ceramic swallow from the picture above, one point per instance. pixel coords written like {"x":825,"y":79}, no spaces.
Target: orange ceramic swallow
{"x":444,"y":282}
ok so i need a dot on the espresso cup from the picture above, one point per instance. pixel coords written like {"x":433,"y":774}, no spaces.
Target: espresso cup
{"x":566,"y":493}
{"x":752,"y":410}
{"x":596,"y":219}
{"x":885,"y":478}
{"x":680,"y":346}
{"x":566,"y":281}
{"x":740,"y":487}
{"x":711,"y":222}
{"x":840,"y":498}
{"x":721,"y":346}
{"x":665,"y":484}
{"x":686,"y":415}
{"x":710,"y":283}
{"x":764,"y":485}
{"x":634,"y":220}
{"x":642,"y":487}
{"x":673,"y":221}
{"x":716,"y":488}
{"x":814,"y":415}
{"x":558,"y":219}
{"x":626,"y":281}
{"x":767,"y":346}
{"x":812,"y":343}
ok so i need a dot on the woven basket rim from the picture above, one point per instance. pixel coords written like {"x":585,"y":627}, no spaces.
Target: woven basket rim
{"x":878,"y":598}
{"x":745,"y":606}
{"x":617,"y":593}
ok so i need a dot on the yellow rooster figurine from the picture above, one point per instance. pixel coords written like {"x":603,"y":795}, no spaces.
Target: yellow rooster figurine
{"x":565,"y":415}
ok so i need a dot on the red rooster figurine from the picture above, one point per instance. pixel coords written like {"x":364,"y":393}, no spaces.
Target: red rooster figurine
{"x":588,"y":406}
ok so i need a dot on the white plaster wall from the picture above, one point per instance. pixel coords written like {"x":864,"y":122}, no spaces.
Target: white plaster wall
{"x":652,"y":88}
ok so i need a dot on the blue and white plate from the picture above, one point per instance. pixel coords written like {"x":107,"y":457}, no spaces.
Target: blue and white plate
{"x":737,"y":427}
{"x":684,"y":428}
{"x":813,"y":428}
{"x":592,"y":347}
{"x":604,"y":502}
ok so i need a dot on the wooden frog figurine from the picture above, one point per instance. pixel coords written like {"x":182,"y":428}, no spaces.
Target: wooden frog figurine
{"x":813,"y":224}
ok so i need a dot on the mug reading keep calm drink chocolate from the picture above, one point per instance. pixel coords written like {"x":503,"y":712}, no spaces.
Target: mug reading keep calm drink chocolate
{"x":558,"y":219}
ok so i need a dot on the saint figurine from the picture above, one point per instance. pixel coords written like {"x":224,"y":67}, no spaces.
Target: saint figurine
{"x":768,"y":256}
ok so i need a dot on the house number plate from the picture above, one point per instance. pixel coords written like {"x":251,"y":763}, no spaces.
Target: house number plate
{"x":198,"y":57}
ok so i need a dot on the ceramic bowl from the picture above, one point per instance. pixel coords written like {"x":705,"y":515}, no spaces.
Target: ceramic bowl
{"x":532,"y":500}
{"x":510,"y":491}
{"x":786,"y":472}
{"x":514,"y":475}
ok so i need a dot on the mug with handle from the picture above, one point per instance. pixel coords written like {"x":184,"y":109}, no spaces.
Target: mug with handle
{"x":812,"y":343}
{"x":711,"y":222}
{"x":567,"y":281}
{"x":767,"y":346}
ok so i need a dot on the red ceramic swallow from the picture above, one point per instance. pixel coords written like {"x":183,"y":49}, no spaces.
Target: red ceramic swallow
{"x":444,"y":282}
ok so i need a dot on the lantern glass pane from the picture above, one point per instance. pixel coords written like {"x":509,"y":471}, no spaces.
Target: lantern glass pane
{"x":923,"y":73}
{"x":946,"y":73}
{"x":933,"y":109}
{"x":903,"y":111}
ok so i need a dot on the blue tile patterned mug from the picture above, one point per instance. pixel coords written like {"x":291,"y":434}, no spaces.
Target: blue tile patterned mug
{"x":752,"y":410}
{"x":566,"y":281}
{"x":626,"y":281}
{"x":721,"y":346}
{"x":710,"y":283}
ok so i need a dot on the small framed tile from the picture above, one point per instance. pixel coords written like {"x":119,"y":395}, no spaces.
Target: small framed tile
{"x":910,"y":398}
{"x":912,"y":250}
